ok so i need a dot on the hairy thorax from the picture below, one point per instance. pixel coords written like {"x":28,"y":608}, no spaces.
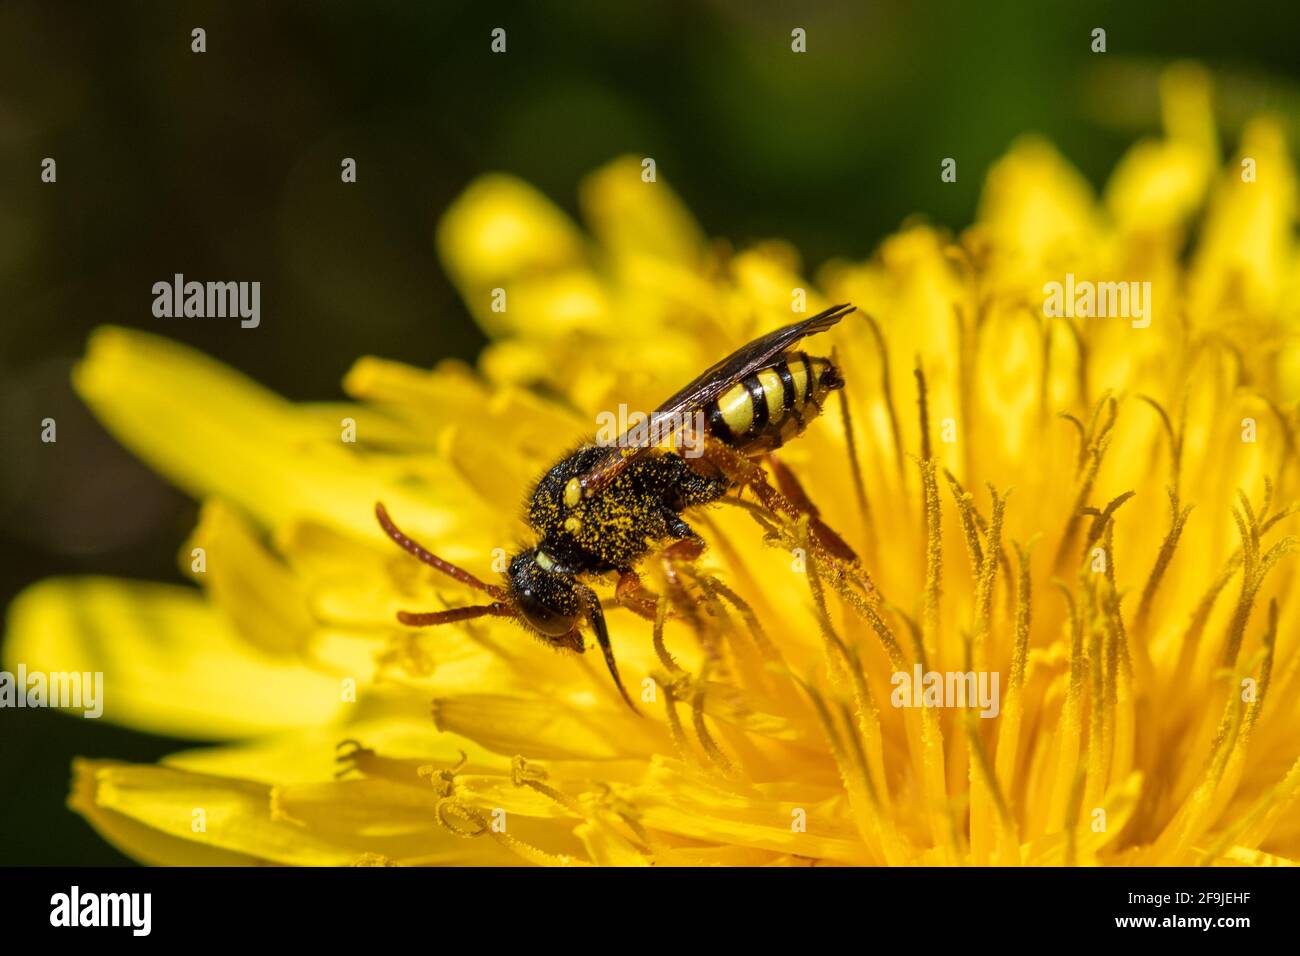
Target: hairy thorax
{"x":614,"y":528}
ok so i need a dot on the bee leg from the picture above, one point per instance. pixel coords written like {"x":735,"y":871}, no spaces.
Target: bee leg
{"x":688,"y":548}
{"x":741,"y":471}
{"x":630,"y":594}
{"x":680,"y":552}
{"x":683,"y":552}
{"x":744,"y":471}
{"x":791,"y":487}
{"x":680,"y":530}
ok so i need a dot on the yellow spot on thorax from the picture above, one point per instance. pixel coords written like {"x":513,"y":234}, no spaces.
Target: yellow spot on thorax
{"x":572,"y":492}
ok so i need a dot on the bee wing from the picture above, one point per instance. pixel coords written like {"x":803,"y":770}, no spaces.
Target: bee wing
{"x":708,"y":385}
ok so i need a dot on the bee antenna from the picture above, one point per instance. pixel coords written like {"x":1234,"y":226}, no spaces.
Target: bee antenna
{"x":431,"y":618}
{"x":413,"y":547}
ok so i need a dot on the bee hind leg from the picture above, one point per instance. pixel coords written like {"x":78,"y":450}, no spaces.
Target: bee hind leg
{"x":793,"y":490}
{"x":791,"y":500}
{"x":741,"y":470}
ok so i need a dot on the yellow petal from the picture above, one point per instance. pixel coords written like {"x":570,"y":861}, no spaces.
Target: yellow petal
{"x":634,"y":218}
{"x":606,"y":845}
{"x":1159,"y":184}
{"x":142,"y":842}
{"x":768,"y":274}
{"x":536,"y":728}
{"x":500,"y":231}
{"x":401,"y":824}
{"x":212,"y":812}
{"x":1247,"y":247}
{"x":1037,"y":206}
{"x":262,"y":599}
{"x":171,"y":665}
{"x":677,"y":801}
{"x":1245,"y":856}
{"x":215,"y":433}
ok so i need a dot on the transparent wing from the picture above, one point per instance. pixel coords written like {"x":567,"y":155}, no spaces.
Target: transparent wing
{"x":708,"y":385}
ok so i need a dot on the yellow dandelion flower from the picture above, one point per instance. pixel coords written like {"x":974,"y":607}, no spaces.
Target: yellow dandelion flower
{"x":1086,"y":515}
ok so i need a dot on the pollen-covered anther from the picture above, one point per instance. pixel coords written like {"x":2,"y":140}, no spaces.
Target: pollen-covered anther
{"x":443,"y":778}
{"x":523,"y":773}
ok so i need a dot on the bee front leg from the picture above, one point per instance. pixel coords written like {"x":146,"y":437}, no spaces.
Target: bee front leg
{"x":680,"y":552}
{"x":687,"y":549}
{"x":674,"y":560}
{"x":631,"y":594}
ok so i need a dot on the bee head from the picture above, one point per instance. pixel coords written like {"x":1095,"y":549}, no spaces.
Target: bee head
{"x":542,"y":596}
{"x":547,"y":598}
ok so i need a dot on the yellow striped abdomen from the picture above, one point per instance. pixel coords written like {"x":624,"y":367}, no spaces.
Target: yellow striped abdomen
{"x":768,"y":407}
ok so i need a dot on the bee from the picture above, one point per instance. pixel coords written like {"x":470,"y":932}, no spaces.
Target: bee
{"x":604,"y":507}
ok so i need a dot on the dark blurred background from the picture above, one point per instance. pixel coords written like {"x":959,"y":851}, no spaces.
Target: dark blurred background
{"x":225,"y":165}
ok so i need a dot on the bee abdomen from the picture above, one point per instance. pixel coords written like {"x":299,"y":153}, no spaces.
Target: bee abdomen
{"x":768,"y":407}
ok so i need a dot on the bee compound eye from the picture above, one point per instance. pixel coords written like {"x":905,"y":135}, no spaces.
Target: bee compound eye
{"x":542,"y":618}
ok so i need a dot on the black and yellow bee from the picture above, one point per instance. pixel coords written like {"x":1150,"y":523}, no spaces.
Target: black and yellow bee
{"x":605,"y":507}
